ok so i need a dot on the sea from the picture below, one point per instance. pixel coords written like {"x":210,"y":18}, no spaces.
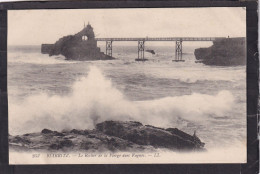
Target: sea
{"x":57,"y":94}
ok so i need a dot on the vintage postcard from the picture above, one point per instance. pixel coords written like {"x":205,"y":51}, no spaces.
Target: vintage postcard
{"x":127,"y":86}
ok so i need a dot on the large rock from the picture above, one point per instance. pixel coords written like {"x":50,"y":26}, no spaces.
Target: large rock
{"x":108,"y":136}
{"x":150,"y":135}
{"x":81,"y":46}
{"x":223,"y":52}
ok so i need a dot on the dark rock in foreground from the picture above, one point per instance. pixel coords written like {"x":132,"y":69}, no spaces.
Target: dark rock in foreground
{"x":81,"y":46}
{"x":223,"y":52}
{"x":108,"y":135}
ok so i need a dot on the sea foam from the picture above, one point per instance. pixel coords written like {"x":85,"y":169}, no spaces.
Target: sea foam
{"x":94,"y":99}
{"x":36,"y":58}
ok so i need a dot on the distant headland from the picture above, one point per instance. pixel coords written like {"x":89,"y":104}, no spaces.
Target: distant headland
{"x":81,"y":46}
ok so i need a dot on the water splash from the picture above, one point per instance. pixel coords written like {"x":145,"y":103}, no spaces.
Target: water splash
{"x":94,"y":99}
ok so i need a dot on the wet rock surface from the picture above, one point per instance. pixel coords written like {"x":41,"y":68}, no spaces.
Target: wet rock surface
{"x":109,"y":136}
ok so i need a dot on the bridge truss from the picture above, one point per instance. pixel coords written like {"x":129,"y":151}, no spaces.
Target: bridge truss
{"x":141,"y":44}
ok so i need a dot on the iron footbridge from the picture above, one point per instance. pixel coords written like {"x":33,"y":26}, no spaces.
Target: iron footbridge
{"x":141,"y":44}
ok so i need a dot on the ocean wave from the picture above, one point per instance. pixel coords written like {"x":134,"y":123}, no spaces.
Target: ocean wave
{"x":186,"y":72}
{"x":94,"y":99}
{"x":36,"y":58}
{"x":200,"y":73}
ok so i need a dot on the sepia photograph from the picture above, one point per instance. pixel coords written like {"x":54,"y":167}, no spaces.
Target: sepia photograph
{"x":127,"y":86}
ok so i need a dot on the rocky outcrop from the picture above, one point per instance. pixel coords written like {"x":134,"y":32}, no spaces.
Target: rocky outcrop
{"x":108,"y":136}
{"x":81,"y":46}
{"x":223,"y":52}
{"x":149,"y":135}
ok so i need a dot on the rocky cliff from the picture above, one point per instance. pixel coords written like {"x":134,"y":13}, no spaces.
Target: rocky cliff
{"x":223,"y":52}
{"x":108,"y":136}
{"x":81,"y":46}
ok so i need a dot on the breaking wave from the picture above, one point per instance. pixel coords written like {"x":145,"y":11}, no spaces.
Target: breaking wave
{"x":35,"y":58}
{"x":94,"y":99}
{"x":196,"y":73}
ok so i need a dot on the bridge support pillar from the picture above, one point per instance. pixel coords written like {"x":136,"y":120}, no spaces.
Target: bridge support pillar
{"x":109,"y":48}
{"x":178,"y":51}
{"x":140,"y":51}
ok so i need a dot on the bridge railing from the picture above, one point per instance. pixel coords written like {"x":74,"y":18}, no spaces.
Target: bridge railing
{"x":161,"y":39}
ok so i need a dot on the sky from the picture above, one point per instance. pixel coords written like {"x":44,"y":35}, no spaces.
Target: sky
{"x":34,"y":27}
